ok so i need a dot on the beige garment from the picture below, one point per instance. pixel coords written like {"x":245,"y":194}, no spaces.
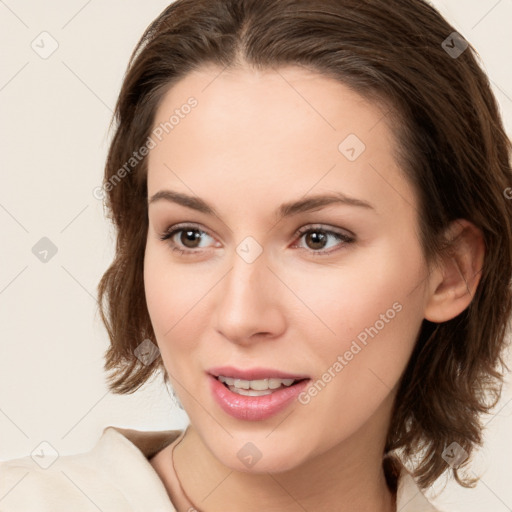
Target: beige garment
{"x":116,"y":476}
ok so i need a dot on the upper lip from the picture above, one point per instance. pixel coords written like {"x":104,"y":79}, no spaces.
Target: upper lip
{"x":253,"y":373}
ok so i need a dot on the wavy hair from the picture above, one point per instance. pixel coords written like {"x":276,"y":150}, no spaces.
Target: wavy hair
{"x":452,"y":147}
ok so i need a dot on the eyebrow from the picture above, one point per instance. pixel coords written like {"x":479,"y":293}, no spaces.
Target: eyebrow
{"x":285,"y":210}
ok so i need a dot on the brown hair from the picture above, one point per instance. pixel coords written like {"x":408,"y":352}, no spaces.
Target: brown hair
{"x":453,"y":149}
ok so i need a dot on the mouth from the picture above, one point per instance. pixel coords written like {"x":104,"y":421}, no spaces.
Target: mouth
{"x":256,"y":394}
{"x":257,"y":387}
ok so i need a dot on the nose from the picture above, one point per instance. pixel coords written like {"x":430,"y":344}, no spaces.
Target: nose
{"x":249,"y":306}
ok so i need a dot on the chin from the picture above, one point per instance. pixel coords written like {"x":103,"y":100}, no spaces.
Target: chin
{"x":246,"y":457}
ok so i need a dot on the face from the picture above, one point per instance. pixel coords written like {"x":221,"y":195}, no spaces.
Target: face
{"x":297,"y":255}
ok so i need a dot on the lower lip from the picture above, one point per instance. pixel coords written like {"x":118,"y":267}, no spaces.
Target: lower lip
{"x":254,"y":408}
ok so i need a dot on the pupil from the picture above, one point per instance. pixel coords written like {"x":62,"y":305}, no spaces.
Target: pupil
{"x":316,"y":238}
{"x":190,"y":236}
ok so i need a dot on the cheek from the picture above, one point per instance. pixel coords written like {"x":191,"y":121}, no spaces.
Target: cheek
{"x":171,"y":295}
{"x":373,"y":309}
{"x":378,"y":287}
{"x":179,"y":302}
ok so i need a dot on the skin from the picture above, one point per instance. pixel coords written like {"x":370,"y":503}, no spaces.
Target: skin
{"x":256,"y":140}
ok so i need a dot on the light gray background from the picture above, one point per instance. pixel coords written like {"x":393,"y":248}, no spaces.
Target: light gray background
{"x":54,"y":122}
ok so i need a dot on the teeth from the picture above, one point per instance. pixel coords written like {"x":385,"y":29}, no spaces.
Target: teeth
{"x":276,"y":383}
{"x":249,"y":392}
{"x":255,"y":385}
{"x":258,"y":385}
{"x":241,"y":384}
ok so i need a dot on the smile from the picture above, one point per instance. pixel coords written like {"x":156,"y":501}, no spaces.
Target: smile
{"x":254,"y":387}
{"x":254,"y":398}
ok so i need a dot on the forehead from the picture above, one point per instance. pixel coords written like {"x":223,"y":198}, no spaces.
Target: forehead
{"x":270,"y":133}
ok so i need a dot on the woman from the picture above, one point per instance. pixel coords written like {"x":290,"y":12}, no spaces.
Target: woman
{"x":314,"y":230}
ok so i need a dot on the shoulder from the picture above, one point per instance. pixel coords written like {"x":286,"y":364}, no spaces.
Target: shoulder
{"x":115,"y":475}
{"x":71,"y":482}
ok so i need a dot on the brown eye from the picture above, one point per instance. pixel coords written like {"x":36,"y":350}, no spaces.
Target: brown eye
{"x":190,"y":238}
{"x":186,"y":238}
{"x":318,"y":240}
{"x":315,"y":240}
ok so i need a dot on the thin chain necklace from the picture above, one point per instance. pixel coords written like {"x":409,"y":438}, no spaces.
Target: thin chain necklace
{"x":191,"y":505}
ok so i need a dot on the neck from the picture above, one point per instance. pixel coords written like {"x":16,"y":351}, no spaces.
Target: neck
{"x":349,"y":477}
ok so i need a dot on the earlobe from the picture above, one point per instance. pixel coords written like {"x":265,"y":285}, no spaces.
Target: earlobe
{"x":453,"y":283}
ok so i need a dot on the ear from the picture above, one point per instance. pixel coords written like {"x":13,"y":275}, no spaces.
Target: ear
{"x":453,"y":282}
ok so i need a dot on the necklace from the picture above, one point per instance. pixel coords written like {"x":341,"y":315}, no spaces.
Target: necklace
{"x":190,"y":504}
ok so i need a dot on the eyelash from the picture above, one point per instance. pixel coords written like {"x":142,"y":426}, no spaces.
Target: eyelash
{"x":173,"y":230}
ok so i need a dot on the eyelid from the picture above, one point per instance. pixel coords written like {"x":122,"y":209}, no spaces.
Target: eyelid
{"x":324,"y":227}
{"x":183,"y":225}
{"x":175,"y":228}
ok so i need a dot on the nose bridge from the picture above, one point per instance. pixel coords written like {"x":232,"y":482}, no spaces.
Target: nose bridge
{"x":248,"y":302}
